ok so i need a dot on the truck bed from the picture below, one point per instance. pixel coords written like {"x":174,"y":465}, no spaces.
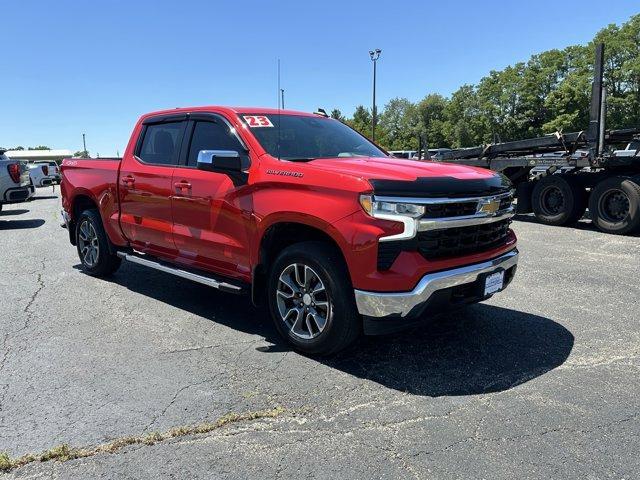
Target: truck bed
{"x":97,"y":179}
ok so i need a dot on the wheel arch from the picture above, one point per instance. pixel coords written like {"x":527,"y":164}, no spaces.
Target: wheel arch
{"x":281,"y":234}
{"x":80,"y":202}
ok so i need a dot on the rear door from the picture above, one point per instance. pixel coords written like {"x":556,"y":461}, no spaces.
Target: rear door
{"x":210,"y":214}
{"x":146,"y":185}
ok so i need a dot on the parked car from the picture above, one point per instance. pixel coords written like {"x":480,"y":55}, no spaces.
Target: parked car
{"x":53,"y":169}
{"x":297,"y":210}
{"x":40,"y":175}
{"x":14,"y":180}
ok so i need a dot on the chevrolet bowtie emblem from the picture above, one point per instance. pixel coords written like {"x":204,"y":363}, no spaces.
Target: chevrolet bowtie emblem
{"x":488,"y":206}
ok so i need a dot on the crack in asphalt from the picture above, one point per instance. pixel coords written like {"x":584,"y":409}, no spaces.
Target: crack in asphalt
{"x":34,"y":295}
{"x":173,"y":400}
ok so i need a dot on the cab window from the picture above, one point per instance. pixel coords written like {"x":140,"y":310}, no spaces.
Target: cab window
{"x":211,"y":135}
{"x":161,"y":143}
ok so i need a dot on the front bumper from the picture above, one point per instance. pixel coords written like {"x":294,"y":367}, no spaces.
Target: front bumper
{"x":409,"y":305}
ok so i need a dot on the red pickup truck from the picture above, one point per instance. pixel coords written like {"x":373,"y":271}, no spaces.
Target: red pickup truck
{"x":297,"y":210}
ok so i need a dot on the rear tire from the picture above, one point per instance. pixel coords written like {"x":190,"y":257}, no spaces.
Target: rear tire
{"x":614,"y":205}
{"x":311,"y":299}
{"x":558,"y":200}
{"x":93,"y":246}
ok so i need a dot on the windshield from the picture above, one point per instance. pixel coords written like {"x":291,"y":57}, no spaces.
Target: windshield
{"x":304,"y":138}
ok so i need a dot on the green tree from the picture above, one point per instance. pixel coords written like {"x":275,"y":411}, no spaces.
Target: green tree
{"x":361,"y":120}
{"x":399,"y":125}
{"x":82,"y":154}
{"x":337,"y":114}
{"x":463,"y":125}
{"x":431,"y":117}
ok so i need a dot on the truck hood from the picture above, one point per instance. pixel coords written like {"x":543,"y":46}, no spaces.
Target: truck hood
{"x":384,"y":168}
{"x":410,"y":178}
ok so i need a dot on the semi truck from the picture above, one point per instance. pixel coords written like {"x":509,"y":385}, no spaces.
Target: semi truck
{"x":298,"y":211}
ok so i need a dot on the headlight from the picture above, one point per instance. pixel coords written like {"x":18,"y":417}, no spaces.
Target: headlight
{"x":405,"y":213}
{"x":385,"y":209}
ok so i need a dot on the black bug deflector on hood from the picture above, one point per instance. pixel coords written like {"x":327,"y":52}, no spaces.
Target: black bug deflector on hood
{"x":435,"y":187}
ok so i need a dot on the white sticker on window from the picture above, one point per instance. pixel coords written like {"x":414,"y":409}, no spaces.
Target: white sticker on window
{"x":255,"y":121}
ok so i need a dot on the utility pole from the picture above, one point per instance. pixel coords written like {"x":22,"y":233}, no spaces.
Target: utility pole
{"x":374,"y":54}
{"x":279,"y":89}
{"x":84,"y":144}
{"x":282,"y":95}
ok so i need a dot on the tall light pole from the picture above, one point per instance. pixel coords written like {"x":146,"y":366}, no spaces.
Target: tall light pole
{"x":84,"y":144}
{"x":374,"y":54}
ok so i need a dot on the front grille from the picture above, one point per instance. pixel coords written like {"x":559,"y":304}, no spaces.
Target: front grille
{"x":462,"y":240}
{"x":449,"y":241}
{"x":443,"y":210}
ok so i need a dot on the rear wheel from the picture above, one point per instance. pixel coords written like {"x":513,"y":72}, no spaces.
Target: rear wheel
{"x":558,"y":200}
{"x":615,"y":205}
{"x":311,"y":299}
{"x":93,"y":246}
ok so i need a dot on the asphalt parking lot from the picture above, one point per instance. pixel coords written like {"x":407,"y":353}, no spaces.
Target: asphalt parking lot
{"x":541,"y":381}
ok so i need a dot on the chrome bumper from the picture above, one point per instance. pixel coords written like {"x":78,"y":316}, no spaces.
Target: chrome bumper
{"x":377,"y":304}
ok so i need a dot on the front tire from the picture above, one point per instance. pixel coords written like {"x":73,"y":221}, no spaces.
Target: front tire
{"x":93,"y":246}
{"x":615,"y":205}
{"x":311,"y":299}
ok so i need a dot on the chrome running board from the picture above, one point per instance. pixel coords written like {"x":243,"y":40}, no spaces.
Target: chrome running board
{"x":151,"y":262}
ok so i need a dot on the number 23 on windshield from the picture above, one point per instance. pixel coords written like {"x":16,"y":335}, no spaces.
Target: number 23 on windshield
{"x":255,"y":121}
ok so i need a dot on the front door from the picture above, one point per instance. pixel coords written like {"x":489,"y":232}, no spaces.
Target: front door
{"x":146,"y":188}
{"x":210,"y":216}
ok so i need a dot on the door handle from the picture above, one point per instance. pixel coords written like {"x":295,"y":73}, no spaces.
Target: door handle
{"x":182,"y":185}
{"x":128,"y":180}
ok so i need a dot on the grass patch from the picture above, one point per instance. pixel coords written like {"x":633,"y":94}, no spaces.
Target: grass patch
{"x":64,"y":453}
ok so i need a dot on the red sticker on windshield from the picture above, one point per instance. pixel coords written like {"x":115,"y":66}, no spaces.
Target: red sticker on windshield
{"x":255,"y":121}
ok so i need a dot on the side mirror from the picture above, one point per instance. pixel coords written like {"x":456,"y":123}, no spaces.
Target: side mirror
{"x":219,"y":160}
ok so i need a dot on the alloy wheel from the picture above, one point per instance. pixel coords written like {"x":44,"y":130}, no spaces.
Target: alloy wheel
{"x":88,"y":244}
{"x":303,"y":302}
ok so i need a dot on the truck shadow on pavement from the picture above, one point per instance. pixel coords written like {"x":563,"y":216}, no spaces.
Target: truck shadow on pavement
{"x":43,"y":197}
{"x":17,"y":211}
{"x":480,"y":349}
{"x":20,"y":224}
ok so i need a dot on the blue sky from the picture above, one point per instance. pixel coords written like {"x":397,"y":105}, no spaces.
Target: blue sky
{"x":94,"y":67}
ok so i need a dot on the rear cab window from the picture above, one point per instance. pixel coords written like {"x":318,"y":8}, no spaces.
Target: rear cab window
{"x":161,"y":143}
